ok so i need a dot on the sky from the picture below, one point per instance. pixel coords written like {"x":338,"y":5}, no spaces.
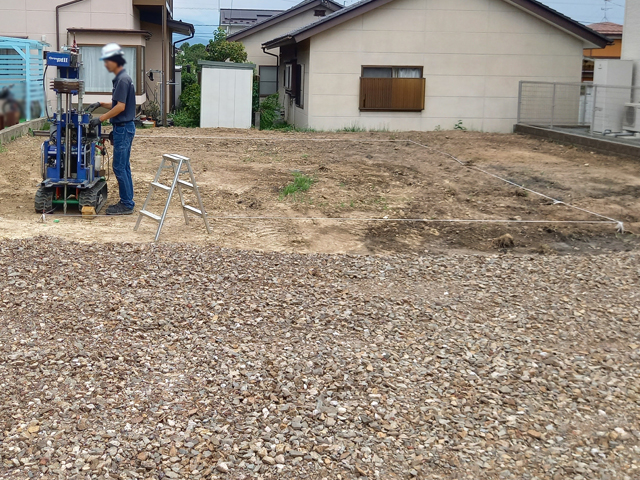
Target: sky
{"x":204,"y":13}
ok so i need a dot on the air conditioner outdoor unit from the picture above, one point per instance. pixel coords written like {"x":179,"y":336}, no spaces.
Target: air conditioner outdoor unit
{"x":631,"y":121}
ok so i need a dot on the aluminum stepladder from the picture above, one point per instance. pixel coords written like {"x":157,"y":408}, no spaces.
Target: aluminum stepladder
{"x":176,"y":163}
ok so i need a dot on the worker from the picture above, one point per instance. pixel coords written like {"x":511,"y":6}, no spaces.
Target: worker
{"x":122,"y":111}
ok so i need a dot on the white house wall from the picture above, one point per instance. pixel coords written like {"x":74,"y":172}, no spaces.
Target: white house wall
{"x":474,"y":54}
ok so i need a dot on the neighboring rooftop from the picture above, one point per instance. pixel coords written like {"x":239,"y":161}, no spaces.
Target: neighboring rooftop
{"x":283,"y":15}
{"x":245,"y":17}
{"x":609,"y":29}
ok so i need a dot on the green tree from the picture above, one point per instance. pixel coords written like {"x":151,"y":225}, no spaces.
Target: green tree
{"x":190,"y":54}
{"x":222,"y":50}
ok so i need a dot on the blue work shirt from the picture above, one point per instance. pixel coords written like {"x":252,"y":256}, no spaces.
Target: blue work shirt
{"x":124,"y":91}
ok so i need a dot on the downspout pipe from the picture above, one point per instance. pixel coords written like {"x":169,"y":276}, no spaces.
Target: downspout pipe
{"x":72,"y":2}
{"x":173,"y":74}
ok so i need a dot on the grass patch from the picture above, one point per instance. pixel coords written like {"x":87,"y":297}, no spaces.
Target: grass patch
{"x":2,"y":148}
{"x":301,"y":183}
{"x":354,"y":127}
{"x":285,"y":127}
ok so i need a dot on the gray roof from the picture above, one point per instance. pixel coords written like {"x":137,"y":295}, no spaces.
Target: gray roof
{"x":245,"y":17}
{"x":533,"y":6}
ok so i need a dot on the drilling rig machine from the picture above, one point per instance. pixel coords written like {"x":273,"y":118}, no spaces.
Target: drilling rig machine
{"x":72,"y":167}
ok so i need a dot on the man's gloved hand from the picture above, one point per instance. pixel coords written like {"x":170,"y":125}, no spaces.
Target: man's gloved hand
{"x":93,"y":107}
{"x":94,"y":122}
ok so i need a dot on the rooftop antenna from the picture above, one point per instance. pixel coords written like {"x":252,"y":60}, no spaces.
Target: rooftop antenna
{"x":605,"y":9}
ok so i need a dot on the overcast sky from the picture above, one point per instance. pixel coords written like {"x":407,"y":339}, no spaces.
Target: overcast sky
{"x":204,"y":13}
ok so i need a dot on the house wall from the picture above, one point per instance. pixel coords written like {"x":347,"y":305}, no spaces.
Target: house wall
{"x":37,"y":18}
{"x":34,"y":18}
{"x":610,"y":51}
{"x":253,"y":43}
{"x":474,"y":54}
{"x":153,"y":60}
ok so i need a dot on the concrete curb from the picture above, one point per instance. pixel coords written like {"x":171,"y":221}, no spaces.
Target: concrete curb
{"x":11,"y":133}
{"x":602,"y":145}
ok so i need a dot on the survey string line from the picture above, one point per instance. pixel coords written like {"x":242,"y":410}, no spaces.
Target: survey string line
{"x":619,"y":224}
{"x":352,"y":219}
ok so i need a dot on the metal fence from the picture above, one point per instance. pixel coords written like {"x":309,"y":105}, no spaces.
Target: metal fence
{"x":600,"y":108}
{"x":21,"y":71}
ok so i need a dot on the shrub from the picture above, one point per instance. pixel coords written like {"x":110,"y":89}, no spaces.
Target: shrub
{"x":269,"y":109}
{"x":188,"y":79}
{"x":189,"y":114}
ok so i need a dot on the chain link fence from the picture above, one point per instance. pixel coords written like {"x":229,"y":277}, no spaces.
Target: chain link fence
{"x":602,"y":109}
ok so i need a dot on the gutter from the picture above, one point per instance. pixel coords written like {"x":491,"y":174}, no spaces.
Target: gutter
{"x":72,"y":2}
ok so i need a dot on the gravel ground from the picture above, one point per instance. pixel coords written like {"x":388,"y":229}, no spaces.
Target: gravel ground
{"x":188,"y":362}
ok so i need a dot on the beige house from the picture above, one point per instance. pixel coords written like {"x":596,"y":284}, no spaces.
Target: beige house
{"x":253,"y":37}
{"x":144,"y":28}
{"x":424,"y":64}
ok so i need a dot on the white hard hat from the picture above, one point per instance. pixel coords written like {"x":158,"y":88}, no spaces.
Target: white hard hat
{"x":111,"y":50}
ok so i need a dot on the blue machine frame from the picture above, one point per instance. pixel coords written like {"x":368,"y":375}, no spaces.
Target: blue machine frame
{"x":69,"y":170}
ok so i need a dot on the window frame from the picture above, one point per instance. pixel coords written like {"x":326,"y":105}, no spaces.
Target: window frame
{"x":260,"y":67}
{"x":393,"y":69}
{"x":398,"y":82}
{"x":288,"y":76}
{"x":299,"y":85}
{"x":140,"y":87}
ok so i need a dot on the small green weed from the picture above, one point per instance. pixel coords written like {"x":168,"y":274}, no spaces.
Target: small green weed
{"x":285,"y":127}
{"x":460,"y":126}
{"x":2,"y":148}
{"x":301,"y":183}
{"x":438,"y":128}
{"x":354,"y":127}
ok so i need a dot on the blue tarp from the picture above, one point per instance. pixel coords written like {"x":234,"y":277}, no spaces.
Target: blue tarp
{"x":22,"y":65}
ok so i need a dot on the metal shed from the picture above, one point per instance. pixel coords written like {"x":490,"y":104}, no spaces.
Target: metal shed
{"x":227,"y":94}
{"x":21,"y":69}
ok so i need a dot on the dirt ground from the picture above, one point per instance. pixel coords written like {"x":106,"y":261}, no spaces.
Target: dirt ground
{"x":359,"y":176}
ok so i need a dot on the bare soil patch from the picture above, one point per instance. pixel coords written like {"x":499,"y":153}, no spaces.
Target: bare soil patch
{"x":241,"y":174}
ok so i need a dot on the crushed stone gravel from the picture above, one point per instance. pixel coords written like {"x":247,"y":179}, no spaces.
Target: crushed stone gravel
{"x":190,"y":362}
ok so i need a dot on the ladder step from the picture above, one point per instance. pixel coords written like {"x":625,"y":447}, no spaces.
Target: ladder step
{"x":161,"y":186}
{"x":152,"y":216}
{"x":193,"y":210}
{"x":186,"y":184}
